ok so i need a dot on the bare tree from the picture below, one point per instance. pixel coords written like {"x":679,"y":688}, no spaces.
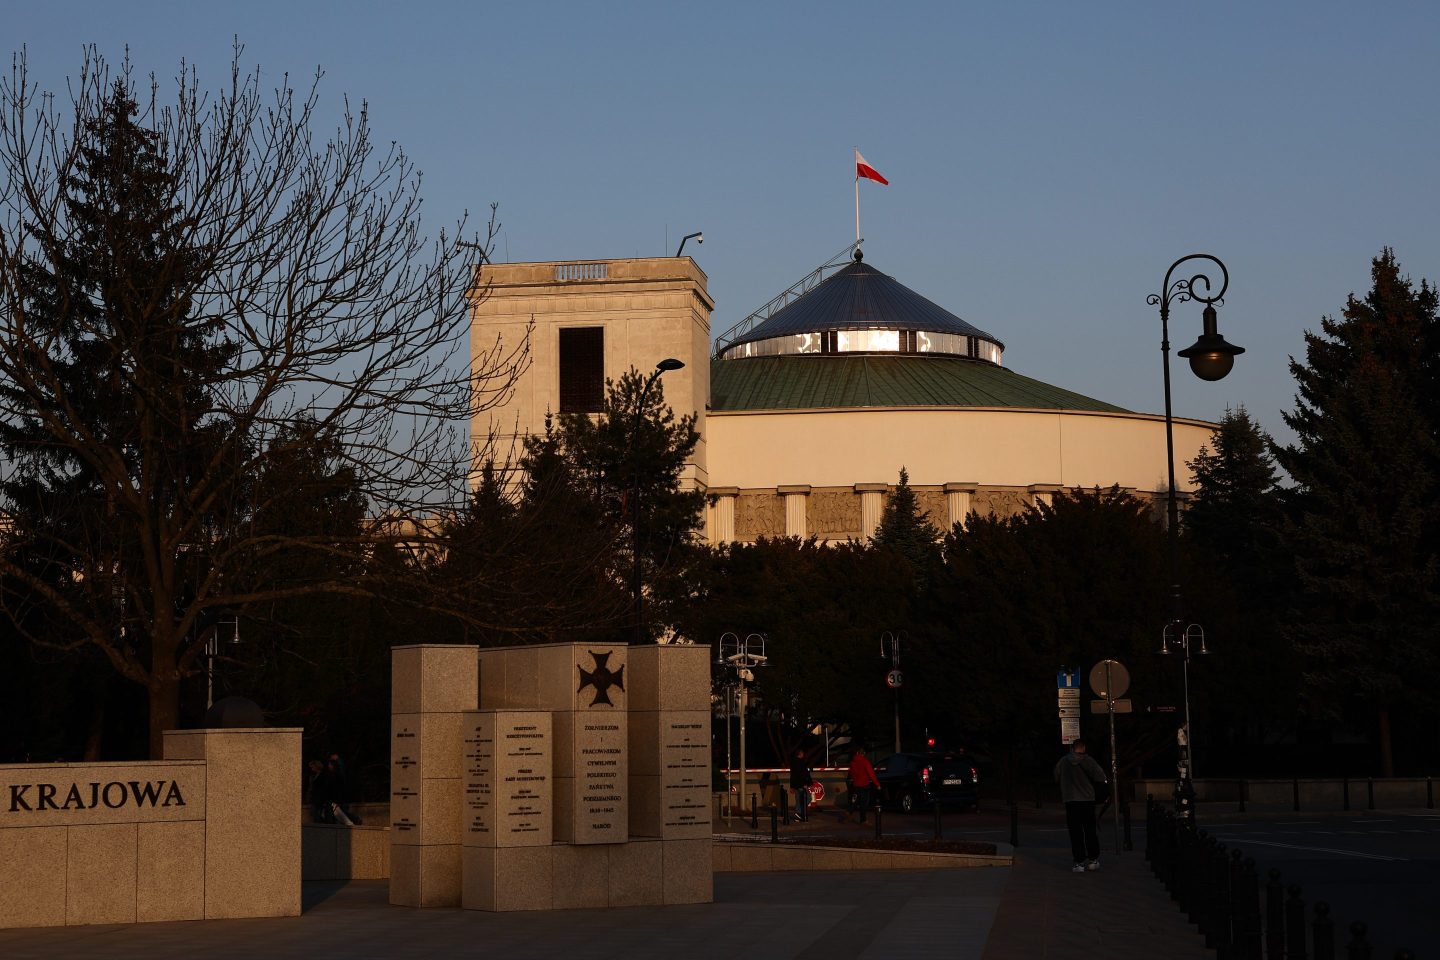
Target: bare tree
{"x":214,"y":318}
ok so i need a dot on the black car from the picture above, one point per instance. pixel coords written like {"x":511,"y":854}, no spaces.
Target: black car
{"x":909,"y":781}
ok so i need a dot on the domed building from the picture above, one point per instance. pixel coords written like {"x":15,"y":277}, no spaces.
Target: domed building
{"x":809,"y":407}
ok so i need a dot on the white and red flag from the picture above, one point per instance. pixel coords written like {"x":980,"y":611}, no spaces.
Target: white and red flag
{"x":864,"y":170}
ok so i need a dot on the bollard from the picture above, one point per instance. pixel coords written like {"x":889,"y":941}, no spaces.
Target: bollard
{"x":1274,"y":917}
{"x":938,"y":834}
{"x":1345,"y":793}
{"x":1429,"y":794}
{"x":1370,"y":793}
{"x":774,"y":825}
{"x":1243,"y":790}
{"x":1125,"y":819}
{"x":1359,"y":947}
{"x":1323,"y":929}
{"x":1233,"y":902}
{"x":1294,"y":924}
{"x":754,"y":813}
{"x":1247,"y":913}
{"x":1150,"y":834}
{"x":878,"y":830}
{"x":785,"y":805}
{"x":1216,"y":913}
{"x":1014,"y":824}
{"x":1295,"y":783}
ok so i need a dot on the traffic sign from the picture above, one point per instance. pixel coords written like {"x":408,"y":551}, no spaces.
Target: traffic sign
{"x":1121,"y":706}
{"x":1109,"y":678}
{"x":1068,"y":696}
{"x":1067,"y":678}
{"x":1069,"y":729}
{"x":894,"y":679}
{"x":1069,"y":711}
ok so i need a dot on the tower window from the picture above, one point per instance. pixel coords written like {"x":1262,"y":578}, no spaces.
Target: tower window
{"x":582,"y":369}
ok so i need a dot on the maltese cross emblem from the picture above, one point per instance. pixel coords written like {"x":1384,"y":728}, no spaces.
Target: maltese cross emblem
{"x":602,"y":678}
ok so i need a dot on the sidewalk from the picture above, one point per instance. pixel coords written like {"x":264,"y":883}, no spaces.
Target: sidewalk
{"x":1035,"y":910}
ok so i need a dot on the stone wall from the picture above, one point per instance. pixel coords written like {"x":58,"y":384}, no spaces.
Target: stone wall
{"x":211,"y":831}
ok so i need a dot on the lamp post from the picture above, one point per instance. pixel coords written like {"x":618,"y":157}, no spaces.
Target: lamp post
{"x":890,"y":647}
{"x":743,"y":657}
{"x":636,"y":584}
{"x":1211,"y":358}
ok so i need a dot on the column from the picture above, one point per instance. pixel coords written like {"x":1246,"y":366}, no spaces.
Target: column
{"x":431,"y":688}
{"x":795,"y":497}
{"x":1043,"y":494}
{"x":957,"y":498}
{"x":872,"y":505}
{"x":722,"y":514}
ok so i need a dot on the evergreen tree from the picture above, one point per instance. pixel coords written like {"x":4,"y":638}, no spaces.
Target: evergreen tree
{"x":213,"y":358}
{"x":1235,"y":511}
{"x":1367,"y":465}
{"x":629,"y":450}
{"x":1245,"y":578}
{"x":906,"y":531}
{"x":120,"y":353}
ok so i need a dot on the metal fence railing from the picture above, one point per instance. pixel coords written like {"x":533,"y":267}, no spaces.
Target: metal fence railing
{"x":1220,"y":892}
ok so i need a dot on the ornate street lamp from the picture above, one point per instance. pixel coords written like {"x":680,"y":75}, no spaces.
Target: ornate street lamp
{"x":1211,"y":358}
{"x":636,"y":584}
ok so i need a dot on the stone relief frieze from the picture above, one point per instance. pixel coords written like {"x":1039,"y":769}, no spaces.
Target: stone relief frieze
{"x":833,"y":515}
{"x":759,"y":515}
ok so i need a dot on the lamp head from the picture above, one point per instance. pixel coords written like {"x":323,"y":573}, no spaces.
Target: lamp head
{"x":668,"y":364}
{"x":1210,"y":356}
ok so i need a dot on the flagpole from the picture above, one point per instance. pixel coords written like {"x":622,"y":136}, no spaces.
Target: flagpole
{"x":857,"y":197}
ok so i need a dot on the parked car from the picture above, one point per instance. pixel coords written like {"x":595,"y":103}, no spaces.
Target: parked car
{"x":910,"y":781}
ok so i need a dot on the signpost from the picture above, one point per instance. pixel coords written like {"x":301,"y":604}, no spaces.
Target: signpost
{"x":1067,"y":684}
{"x":1109,"y":679}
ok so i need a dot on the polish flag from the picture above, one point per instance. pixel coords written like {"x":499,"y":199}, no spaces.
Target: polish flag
{"x":863,"y":169}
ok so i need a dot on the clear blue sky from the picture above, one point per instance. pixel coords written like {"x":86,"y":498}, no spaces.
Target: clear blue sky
{"x":1047,"y":160}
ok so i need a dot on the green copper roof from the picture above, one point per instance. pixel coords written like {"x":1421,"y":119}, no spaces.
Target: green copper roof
{"x":809,"y":382}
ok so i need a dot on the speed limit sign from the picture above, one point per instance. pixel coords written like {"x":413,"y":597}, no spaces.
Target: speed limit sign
{"x":894,"y":679}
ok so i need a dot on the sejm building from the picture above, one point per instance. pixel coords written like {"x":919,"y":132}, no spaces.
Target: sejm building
{"x":809,"y":407}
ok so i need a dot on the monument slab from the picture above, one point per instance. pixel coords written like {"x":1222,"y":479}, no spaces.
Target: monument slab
{"x":252,"y":835}
{"x":508,"y":759}
{"x":75,"y":794}
{"x":100,"y":873}
{"x":635,"y":874}
{"x":170,"y":875}
{"x":33,"y":894}
{"x":669,"y":676}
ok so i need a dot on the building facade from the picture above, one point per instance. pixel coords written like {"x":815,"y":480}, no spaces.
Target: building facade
{"x":807,"y":414}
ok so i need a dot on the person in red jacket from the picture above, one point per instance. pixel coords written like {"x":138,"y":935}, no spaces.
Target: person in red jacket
{"x":863,"y":783}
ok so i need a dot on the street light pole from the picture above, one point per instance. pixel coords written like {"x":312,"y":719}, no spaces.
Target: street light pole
{"x":636,"y":584}
{"x":743,"y":657}
{"x":1211,"y":358}
{"x":890,"y":646}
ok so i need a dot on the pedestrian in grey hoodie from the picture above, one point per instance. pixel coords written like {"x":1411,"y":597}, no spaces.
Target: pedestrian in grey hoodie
{"x":1077,"y":773}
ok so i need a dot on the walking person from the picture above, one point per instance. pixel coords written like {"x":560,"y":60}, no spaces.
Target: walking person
{"x":318,"y":792}
{"x":800,"y":783}
{"x":863,"y":784}
{"x":1078,"y":773}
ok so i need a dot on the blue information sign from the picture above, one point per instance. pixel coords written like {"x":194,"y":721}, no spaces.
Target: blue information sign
{"x":1068,"y":680}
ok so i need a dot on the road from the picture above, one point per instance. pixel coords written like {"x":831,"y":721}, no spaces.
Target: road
{"x":1379,"y":867}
